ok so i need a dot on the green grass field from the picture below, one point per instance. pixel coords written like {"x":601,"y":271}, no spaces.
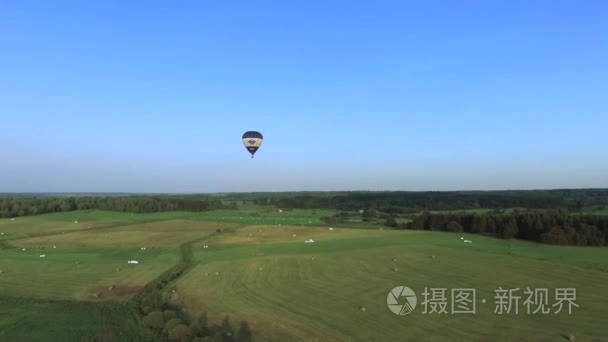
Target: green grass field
{"x":286,"y":290}
{"x":44,"y":320}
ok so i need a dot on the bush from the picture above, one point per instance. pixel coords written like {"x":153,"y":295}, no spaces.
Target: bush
{"x":391,"y":222}
{"x":200,"y":326}
{"x":181,"y":332}
{"x":154,"y":320}
{"x":169,"y":315}
{"x":244,"y":333}
{"x":454,"y":226}
{"x":172,"y":323}
{"x":555,"y":236}
{"x":591,"y":236}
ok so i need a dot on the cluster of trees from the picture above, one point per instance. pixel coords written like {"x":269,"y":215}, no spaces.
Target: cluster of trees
{"x":167,"y":321}
{"x":399,"y":202}
{"x":22,"y":206}
{"x":553,"y":227}
{"x":169,"y":325}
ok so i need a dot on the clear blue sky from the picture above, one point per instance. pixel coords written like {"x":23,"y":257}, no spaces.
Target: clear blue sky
{"x":382,"y":95}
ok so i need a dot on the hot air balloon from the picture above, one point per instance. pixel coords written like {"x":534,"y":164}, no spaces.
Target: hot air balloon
{"x":252,"y":141}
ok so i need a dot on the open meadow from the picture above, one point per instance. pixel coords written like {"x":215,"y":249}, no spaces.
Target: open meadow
{"x":259,"y":270}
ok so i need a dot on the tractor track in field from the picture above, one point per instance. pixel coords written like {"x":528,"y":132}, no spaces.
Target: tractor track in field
{"x":5,"y":242}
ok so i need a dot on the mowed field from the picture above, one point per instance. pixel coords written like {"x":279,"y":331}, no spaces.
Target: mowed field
{"x":83,"y":284}
{"x":77,"y":263}
{"x":259,"y":270}
{"x":289,"y":290}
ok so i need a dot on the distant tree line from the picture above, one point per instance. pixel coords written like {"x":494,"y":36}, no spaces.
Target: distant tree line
{"x":552,"y":227}
{"x":13,"y":207}
{"x":400,"y":202}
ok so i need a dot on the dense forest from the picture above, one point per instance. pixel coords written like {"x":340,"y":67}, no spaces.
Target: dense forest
{"x":22,"y":206}
{"x":552,"y":227}
{"x":397,"y":202}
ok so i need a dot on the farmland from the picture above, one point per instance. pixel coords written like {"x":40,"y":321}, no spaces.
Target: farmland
{"x":257,"y":272}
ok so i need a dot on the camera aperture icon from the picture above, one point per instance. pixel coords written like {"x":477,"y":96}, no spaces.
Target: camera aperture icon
{"x":401,"y":300}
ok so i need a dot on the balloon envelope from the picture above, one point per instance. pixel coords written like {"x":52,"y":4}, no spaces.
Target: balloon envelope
{"x":252,"y":141}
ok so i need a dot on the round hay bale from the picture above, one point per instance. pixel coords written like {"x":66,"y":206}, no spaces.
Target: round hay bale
{"x":432,"y":257}
{"x":111,"y":288}
{"x":395,"y":269}
{"x":118,"y":269}
{"x":571,"y":338}
{"x":362,"y":308}
{"x":394,"y":259}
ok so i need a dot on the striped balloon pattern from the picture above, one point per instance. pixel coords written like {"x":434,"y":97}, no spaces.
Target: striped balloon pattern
{"x":252,"y":141}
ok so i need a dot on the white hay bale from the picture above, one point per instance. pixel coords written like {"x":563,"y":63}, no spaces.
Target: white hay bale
{"x":75,"y":221}
{"x":23,"y":249}
{"x":133,"y":262}
{"x":54,"y":247}
{"x":43,"y":255}
{"x":330,"y":228}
